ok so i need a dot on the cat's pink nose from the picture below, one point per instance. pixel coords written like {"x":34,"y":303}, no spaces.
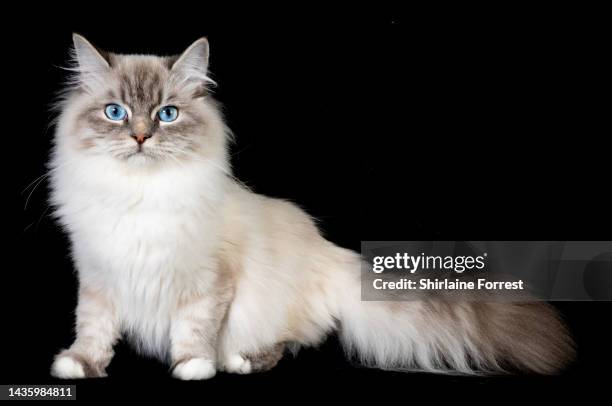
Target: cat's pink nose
{"x":141,"y":138}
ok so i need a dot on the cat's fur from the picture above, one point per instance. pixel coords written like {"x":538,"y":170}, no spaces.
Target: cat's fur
{"x":197,"y":270}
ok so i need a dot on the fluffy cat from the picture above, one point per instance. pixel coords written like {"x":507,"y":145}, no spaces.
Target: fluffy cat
{"x":200,"y":272}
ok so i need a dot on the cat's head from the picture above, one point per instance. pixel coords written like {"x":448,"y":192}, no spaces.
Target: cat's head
{"x":141,"y":109}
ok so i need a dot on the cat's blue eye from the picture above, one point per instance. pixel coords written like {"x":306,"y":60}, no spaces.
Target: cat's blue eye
{"x":115,"y":112}
{"x":168,"y":113}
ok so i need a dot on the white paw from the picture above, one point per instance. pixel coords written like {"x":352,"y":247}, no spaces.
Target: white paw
{"x":237,"y":365}
{"x":67,"y":368}
{"x":195,"y":369}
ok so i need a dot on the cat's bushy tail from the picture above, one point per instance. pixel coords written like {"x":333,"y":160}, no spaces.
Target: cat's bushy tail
{"x":437,"y":335}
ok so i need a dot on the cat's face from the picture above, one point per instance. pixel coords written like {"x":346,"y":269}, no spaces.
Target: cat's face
{"x":141,"y":108}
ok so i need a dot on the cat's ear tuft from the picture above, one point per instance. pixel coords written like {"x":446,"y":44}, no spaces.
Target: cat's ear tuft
{"x":193,"y":63}
{"x":88,"y":58}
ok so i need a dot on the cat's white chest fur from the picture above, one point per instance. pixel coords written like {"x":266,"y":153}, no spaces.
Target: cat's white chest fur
{"x":146,"y":237}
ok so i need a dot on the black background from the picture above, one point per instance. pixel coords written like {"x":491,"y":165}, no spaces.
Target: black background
{"x":446,"y":123}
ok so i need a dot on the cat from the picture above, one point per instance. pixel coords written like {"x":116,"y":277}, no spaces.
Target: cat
{"x":175,"y":254}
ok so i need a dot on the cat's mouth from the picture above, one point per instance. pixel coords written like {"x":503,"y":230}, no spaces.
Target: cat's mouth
{"x":141,"y":153}
{"x":138,"y":152}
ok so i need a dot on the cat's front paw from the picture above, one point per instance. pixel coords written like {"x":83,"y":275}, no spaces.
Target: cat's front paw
{"x":67,"y":368}
{"x":68,"y":365}
{"x":194,"y":369}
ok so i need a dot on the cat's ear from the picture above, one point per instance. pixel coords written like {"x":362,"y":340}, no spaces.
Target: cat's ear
{"x":87,"y":56}
{"x":192,"y":65}
{"x":90,"y":66}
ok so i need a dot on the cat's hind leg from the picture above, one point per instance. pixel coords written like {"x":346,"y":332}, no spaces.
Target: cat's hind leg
{"x":254,"y":362}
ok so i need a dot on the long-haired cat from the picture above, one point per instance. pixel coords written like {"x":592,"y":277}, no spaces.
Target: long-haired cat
{"x":206,"y":275}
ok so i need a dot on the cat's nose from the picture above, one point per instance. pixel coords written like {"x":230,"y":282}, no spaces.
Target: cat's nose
{"x":141,"y":138}
{"x":141,"y":129}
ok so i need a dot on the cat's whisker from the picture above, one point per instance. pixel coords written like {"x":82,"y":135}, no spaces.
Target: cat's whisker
{"x":25,"y":207}
{"x":41,"y":177}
